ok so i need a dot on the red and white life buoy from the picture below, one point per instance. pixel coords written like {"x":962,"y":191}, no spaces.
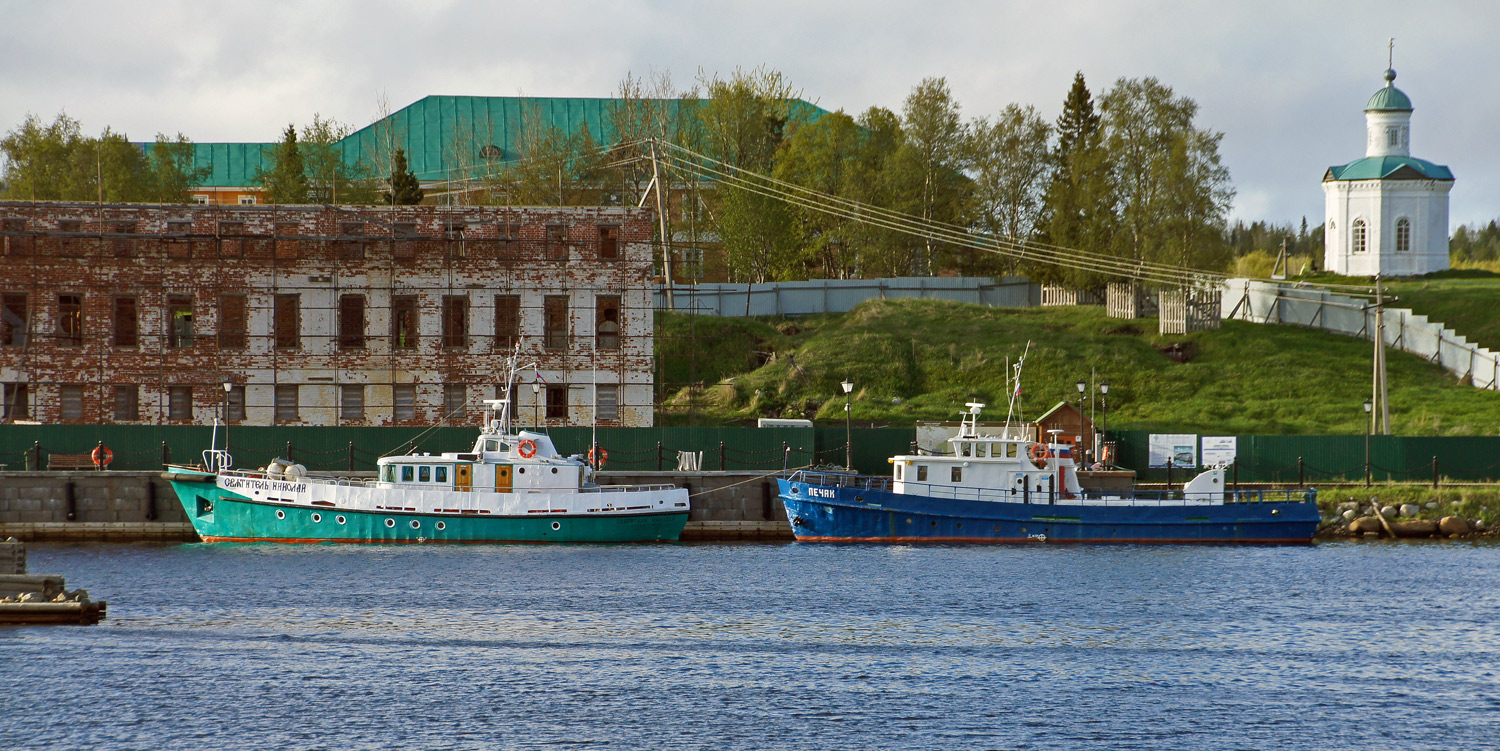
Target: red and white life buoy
{"x":527,"y":449}
{"x":598,"y":459}
{"x":102,"y":456}
{"x":1038,"y":455}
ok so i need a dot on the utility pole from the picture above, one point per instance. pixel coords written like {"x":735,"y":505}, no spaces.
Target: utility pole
{"x":1381,"y":416}
{"x":661,"y":216}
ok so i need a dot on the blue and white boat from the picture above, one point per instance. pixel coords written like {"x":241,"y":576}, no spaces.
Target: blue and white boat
{"x":1007,"y":488}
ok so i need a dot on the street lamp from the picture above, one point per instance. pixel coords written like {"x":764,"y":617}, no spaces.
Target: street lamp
{"x":1369,"y":407}
{"x":848,"y":387}
{"x":1081,"y":442}
{"x":536,"y":405}
{"x":228,"y":387}
{"x":1104,"y":413}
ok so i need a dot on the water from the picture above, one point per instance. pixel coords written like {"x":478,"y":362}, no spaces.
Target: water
{"x":795,"y":646}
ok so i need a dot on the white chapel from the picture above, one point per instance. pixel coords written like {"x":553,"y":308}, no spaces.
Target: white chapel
{"x":1387,"y":213}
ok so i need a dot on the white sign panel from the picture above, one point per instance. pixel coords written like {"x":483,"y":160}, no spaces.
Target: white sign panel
{"x":1181,"y":448}
{"x":1219,"y":449}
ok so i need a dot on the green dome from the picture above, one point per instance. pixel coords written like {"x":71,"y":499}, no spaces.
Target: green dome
{"x":1389,"y":98}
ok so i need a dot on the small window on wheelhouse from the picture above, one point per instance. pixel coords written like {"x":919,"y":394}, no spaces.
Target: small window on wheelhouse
{"x":1010,"y":450}
{"x":491,"y":445}
{"x":440,"y":474}
{"x":388,"y":473}
{"x":958,"y":474}
{"x":921,"y":473}
{"x":898,"y":471}
{"x":406,"y":474}
{"x":964,"y":448}
{"x":424,"y":474}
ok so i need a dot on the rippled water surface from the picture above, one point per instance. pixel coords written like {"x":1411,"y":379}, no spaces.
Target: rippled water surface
{"x":796,"y":646}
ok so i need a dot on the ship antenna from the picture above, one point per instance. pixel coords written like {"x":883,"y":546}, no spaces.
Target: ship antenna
{"x":1015,"y":393}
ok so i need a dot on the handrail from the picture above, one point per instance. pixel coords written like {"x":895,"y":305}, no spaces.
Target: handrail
{"x":1134,"y":498}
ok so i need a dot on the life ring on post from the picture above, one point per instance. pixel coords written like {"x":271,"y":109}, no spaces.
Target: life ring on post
{"x":527,"y":449}
{"x":102,"y":456}
{"x":598,"y":459}
{"x":1038,"y":455}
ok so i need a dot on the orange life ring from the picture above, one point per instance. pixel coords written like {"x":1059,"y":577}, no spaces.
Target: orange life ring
{"x":1038,"y":455}
{"x":102,"y":456}
{"x":527,"y":449}
{"x":603,"y":457}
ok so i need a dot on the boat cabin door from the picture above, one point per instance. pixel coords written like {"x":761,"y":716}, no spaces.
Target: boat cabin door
{"x":502,"y":478}
{"x":463,"y":477}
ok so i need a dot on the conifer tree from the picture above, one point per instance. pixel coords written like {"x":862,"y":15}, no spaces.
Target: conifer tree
{"x":1080,"y":205}
{"x":405,"y":189}
{"x":286,"y":182}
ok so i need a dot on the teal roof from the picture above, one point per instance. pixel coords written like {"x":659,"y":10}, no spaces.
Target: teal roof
{"x":432,"y":129}
{"x":1389,"y":98}
{"x":1388,"y":168}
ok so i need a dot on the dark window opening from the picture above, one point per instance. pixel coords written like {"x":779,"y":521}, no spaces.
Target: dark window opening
{"x":14,"y":319}
{"x":17,"y":398}
{"x":507,"y":321}
{"x":509,"y":239}
{"x":124,"y":240}
{"x":180,"y":321}
{"x":286,"y":402}
{"x":351,"y":248}
{"x":231,"y":239}
{"x":232,"y":322}
{"x":180,"y":403}
{"x":352,"y":322}
{"x":555,"y":322}
{"x":609,"y":242}
{"x":607,"y":322}
{"x":557,"y":241}
{"x":127,"y":403}
{"x":15,"y":242}
{"x":557,"y":402}
{"x":455,"y":401}
{"x":72,"y":402}
{"x":288,"y":321}
{"x":352,"y":403}
{"x":125,"y":322}
{"x":455,"y":322}
{"x":405,"y":401}
{"x":236,"y":399}
{"x":406,"y":237}
{"x":404,"y":322}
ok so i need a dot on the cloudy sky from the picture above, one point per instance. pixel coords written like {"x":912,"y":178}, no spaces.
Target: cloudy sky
{"x":1285,"y":81}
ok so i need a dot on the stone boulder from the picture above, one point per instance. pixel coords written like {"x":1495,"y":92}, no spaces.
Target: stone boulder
{"x":1453,"y":526}
{"x":1410,"y":509}
{"x":1366,"y":524}
{"x":1388,"y":512}
{"x":1349,"y":514}
{"x":1415,"y":528}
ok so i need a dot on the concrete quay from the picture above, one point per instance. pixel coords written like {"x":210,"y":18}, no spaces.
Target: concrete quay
{"x":141,"y":507}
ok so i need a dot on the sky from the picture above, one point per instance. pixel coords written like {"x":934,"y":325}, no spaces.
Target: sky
{"x":1285,"y":82}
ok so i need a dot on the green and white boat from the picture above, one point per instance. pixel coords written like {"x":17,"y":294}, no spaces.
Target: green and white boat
{"x":512,"y":487}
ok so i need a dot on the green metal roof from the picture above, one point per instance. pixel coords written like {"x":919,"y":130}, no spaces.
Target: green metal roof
{"x":441,"y":134}
{"x":1389,"y":98}
{"x":1388,"y":168}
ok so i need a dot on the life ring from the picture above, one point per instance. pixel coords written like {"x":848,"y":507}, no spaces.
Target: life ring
{"x":1038,"y":455}
{"x":102,"y":456}
{"x":527,"y":449}
{"x":603,"y":456}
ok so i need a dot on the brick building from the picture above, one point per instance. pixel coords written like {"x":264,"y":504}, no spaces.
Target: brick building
{"x":322,"y":315}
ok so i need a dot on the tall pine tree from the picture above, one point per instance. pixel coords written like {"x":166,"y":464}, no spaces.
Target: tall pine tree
{"x":287,"y":180}
{"x":1080,"y":204}
{"x":405,"y":189}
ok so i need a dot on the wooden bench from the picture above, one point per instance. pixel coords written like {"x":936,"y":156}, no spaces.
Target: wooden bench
{"x":70,"y":461}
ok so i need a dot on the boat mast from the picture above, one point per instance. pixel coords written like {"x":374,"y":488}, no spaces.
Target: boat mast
{"x":1014,"y":407}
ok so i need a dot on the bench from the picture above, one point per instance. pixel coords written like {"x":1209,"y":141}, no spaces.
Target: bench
{"x":70,"y":461}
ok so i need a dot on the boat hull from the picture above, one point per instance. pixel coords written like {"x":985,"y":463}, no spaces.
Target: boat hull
{"x":221,"y":515}
{"x":831,"y":513}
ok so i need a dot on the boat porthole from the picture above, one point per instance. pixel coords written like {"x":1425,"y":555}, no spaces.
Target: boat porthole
{"x":908,"y":521}
{"x":997,"y":527}
{"x":442,"y":526}
{"x":339,"y":518}
{"x":390,"y":522}
{"x":556,"y":526}
{"x":317,"y":518}
{"x":960,"y":525}
{"x":934,"y":523}
{"x":554,"y":470}
{"x":280,"y":514}
{"x":415,"y":524}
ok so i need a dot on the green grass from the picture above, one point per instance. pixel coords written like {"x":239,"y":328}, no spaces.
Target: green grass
{"x":916,"y":360}
{"x":1461,"y":299}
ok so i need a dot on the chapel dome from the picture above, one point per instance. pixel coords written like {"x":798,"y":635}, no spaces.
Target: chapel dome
{"x":1389,"y":98}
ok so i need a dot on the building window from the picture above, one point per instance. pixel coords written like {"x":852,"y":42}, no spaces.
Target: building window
{"x":202,"y":199}
{"x":17,"y":398}
{"x":555,"y":322}
{"x":232,"y":322}
{"x":352,"y":322}
{"x":247,"y":200}
{"x":507,"y":321}
{"x":288,"y":237}
{"x":455,"y":322}
{"x":70,"y":320}
{"x":404,"y":322}
{"x":127,"y":403}
{"x":72,"y":402}
{"x":405,"y":397}
{"x":1403,"y":235}
{"x":557,"y":402}
{"x":180,"y":403}
{"x":288,"y":321}
{"x":124,"y":240}
{"x":455,"y":400}
{"x":14,"y":319}
{"x":180,"y":321}
{"x":557,"y":241}
{"x":607,"y":322}
{"x":1359,"y":235}
{"x":125,"y":322}
{"x":17,"y":244}
{"x":1393,"y":136}
{"x":509,"y":239}
{"x":609,"y":243}
{"x":406,"y":237}
{"x":236,"y":400}
{"x":231,"y":239}
{"x":351,"y":247}
{"x":608,"y":402}
{"x":352,"y":403}
{"x":286,"y":402}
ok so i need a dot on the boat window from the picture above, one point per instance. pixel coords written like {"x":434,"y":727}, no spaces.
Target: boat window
{"x":963,"y":448}
{"x":983,"y":450}
{"x":424,"y":474}
{"x":1010,"y":450}
{"x":442,"y":474}
{"x":406,"y":474}
{"x":958,"y":474}
{"x":388,"y":473}
{"x":491,"y":445}
{"x":921,"y":473}
{"x":898,"y":471}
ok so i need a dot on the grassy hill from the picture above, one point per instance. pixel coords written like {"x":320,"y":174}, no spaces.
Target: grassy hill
{"x":921,"y":360}
{"x":1462,"y":300}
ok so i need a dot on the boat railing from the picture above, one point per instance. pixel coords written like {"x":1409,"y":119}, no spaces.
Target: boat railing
{"x":1016,"y":495}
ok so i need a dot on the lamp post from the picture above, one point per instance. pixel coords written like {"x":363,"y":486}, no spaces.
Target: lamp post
{"x":1082,"y":443}
{"x":848,"y":387}
{"x":228,"y":387}
{"x":1104,"y":413}
{"x":536,"y":405}
{"x":1369,"y":407}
